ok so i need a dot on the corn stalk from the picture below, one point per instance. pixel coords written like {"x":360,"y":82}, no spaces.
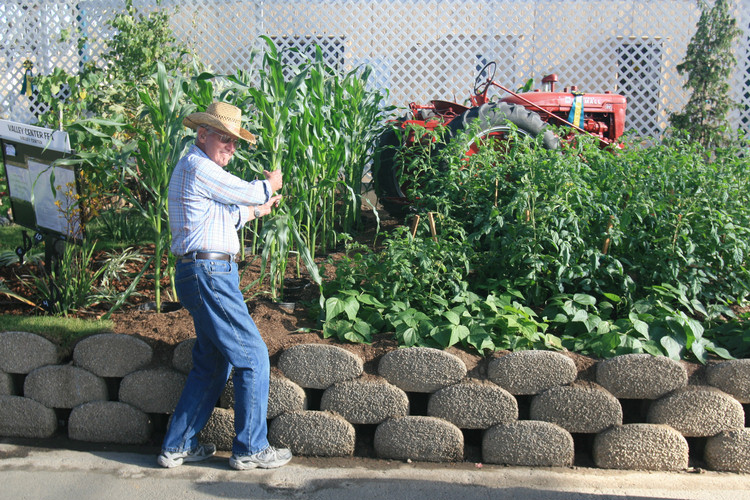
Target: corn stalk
{"x":145,"y":178}
{"x":316,"y":126}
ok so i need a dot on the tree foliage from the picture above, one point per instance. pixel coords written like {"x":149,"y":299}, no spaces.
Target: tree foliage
{"x":709,"y":63}
{"x":141,"y":41}
{"x":107,"y":87}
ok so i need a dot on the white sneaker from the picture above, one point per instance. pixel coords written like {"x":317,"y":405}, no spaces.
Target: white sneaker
{"x":171,"y":459}
{"x":270,"y":458}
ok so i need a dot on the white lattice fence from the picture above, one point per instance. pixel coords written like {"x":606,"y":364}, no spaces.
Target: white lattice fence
{"x":419,"y":50}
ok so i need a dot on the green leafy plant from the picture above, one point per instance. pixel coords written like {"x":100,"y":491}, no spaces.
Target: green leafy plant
{"x":71,"y":284}
{"x":120,"y":226}
{"x":664,"y":323}
{"x":117,"y":267}
{"x":62,"y":111}
{"x":639,"y":251}
{"x":417,"y":288}
{"x":108,"y":88}
{"x":141,"y":39}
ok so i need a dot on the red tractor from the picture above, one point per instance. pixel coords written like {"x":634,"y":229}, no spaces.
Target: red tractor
{"x":599,"y":115}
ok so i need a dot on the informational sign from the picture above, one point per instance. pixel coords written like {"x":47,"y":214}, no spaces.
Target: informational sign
{"x":43,"y":194}
{"x":43,"y":138}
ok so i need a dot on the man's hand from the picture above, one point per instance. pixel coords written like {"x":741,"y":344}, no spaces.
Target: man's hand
{"x":274,"y":178}
{"x":265,"y":209}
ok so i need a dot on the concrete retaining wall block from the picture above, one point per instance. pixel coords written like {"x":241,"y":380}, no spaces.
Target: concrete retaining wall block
{"x":455,"y":403}
{"x":729,"y":451}
{"x":732,"y":377}
{"x":22,"y":352}
{"x":426,"y":439}
{"x":26,"y":418}
{"x":421,"y":369}
{"x":64,"y":386}
{"x":640,"y":376}
{"x":219,"y":429}
{"x":112,"y":355}
{"x":529,"y":443}
{"x":6,"y":385}
{"x":283,"y":396}
{"x":316,"y":433}
{"x":531,"y":372}
{"x":584,"y":408}
{"x":473,"y":405}
{"x":182,"y":356}
{"x":109,"y":422}
{"x":365,"y":401}
{"x":318,"y":366}
{"x":641,"y":446}
{"x":153,"y":391}
{"x":698,"y":411}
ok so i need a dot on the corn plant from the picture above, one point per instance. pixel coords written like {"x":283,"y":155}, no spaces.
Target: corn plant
{"x":279,"y":234}
{"x":155,"y":152}
{"x":338,"y":124}
{"x":316,"y":127}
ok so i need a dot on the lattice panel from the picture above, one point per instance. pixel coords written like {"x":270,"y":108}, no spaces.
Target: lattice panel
{"x":418,"y":49}
{"x":741,"y":82}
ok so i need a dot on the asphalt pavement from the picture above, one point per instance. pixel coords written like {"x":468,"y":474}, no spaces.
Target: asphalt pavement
{"x":33,"y":472}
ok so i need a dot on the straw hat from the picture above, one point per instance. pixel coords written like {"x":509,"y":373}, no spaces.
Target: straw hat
{"x":223,"y":117}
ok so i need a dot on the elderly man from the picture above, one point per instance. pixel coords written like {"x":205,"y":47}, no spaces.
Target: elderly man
{"x":207,"y":206}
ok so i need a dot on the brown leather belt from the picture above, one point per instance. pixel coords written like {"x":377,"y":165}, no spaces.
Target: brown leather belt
{"x":189,"y":257}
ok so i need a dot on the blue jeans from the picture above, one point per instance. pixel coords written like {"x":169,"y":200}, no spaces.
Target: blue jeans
{"x":226,"y":337}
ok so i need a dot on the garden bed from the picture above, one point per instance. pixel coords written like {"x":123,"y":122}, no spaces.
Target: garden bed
{"x":279,"y":327}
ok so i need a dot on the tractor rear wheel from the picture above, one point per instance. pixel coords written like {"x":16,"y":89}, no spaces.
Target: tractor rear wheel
{"x":388,"y":186}
{"x":495,"y":119}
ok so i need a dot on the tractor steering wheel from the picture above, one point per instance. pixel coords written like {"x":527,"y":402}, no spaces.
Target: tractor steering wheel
{"x":481,"y":84}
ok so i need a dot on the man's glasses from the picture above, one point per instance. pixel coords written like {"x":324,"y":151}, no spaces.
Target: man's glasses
{"x":223,"y":138}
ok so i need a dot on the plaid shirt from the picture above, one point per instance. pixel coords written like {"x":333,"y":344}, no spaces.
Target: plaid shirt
{"x":207,"y":205}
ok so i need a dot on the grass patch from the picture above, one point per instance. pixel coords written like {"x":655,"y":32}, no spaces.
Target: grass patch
{"x":62,"y":331}
{"x":11,"y":236}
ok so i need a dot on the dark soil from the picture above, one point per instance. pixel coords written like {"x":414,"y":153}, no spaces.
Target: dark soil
{"x":280,"y":327}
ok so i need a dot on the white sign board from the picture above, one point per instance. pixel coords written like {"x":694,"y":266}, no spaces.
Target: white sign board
{"x":56,"y":140}
{"x":51,"y":207}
